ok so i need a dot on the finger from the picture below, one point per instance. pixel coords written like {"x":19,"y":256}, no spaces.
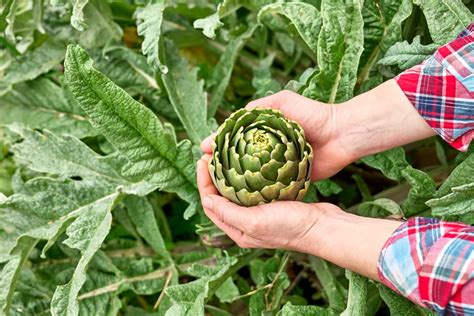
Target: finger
{"x":206,"y":157}
{"x":273,"y":101}
{"x":308,"y":113}
{"x":204,"y":181}
{"x":206,"y":144}
{"x":234,"y":233}
{"x":228,"y":212}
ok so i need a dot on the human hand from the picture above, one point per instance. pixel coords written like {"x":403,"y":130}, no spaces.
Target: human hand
{"x":377,"y":120}
{"x":281,"y":224}
{"x":321,"y":229}
{"x":320,"y":125}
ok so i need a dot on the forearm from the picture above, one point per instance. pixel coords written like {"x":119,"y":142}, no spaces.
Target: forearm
{"x":378,"y":120}
{"x":350,"y":241}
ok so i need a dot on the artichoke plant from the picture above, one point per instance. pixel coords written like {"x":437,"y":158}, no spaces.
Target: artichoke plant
{"x":260,"y":156}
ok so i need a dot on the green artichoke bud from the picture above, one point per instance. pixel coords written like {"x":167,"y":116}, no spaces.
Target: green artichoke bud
{"x":259,"y":156}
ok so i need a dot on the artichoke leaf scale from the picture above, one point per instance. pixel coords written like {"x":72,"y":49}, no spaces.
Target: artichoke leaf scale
{"x":219,"y":174}
{"x":250,"y":198}
{"x":225,"y":152}
{"x":264,"y":157}
{"x":278,"y":153}
{"x":234,"y":160}
{"x":243,"y":121}
{"x":256,"y":181}
{"x":235,"y":180}
{"x":270,"y":169}
{"x":236,"y":136}
{"x":241,"y":145}
{"x":228,"y":192}
{"x":303,"y":168}
{"x":303,"y":191}
{"x":291,"y":152}
{"x":222,"y":131}
{"x":272,"y":192}
{"x":288,"y":173}
{"x":290,"y":192}
{"x":251,"y":163}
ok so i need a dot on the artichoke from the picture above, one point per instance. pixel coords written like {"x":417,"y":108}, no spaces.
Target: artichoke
{"x":259,"y":156}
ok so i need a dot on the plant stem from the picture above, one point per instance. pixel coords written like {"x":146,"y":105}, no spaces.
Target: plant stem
{"x":250,"y":293}
{"x":282,"y":267}
{"x":243,"y":261}
{"x":159,"y":273}
{"x":162,"y":294}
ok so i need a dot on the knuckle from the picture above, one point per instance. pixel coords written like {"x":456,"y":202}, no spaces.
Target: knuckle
{"x":286,"y":93}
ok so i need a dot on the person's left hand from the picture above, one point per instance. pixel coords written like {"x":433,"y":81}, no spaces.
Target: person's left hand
{"x":281,"y":224}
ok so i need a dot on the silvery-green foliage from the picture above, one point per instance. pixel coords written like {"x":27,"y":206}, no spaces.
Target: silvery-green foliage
{"x":103,"y":105}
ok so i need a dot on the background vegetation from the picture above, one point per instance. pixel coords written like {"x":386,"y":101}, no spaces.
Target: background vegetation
{"x":99,"y":212}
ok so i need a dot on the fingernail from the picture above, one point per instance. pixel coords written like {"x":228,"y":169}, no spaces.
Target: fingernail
{"x":207,"y":202}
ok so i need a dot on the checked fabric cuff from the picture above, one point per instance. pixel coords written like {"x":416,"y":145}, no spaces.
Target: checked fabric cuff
{"x":431,"y":262}
{"x":442,"y":90}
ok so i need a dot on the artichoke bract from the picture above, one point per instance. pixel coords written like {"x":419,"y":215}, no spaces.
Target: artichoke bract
{"x":259,"y":156}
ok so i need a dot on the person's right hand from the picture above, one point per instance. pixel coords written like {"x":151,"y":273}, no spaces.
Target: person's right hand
{"x":320,"y":124}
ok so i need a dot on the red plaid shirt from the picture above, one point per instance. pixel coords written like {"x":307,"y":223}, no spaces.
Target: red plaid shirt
{"x":442,"y":90}
{"x":429,"y":261}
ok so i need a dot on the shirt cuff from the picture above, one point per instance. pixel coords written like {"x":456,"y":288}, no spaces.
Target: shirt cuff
{"x":442,"y":90}
{"x":431,"y":262}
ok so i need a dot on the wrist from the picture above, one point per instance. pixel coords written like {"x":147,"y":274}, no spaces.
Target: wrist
{"x":317,"y":232}
{"x":378,"y":120}
{"x":347,"y":240}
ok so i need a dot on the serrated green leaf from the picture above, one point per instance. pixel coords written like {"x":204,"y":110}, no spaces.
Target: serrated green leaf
{"x":398,"y":305}
{"x":77,"y":17}
{"x":86,"y":233}
{"x":42,"y":104}
{"x":211,"y":23}
{"x":422,"y":189}
{"x":379,"y":208}
{"x":335,"y":293}
{"x":45,"y":211}
{"x":307,"y":310}
{"x":10,"y":11}
{"x":191,"y":106}
{"x":357,"y":296}
{"x":66,"y":156}
{"x":382,"y":29}
{"x":149,"y":21}
{"x":390,"y":162}
{"x":223,"y":70}
{"x":405,"y":55}
{"x":102,"y":29}
{"x":445,"y":18}
{"x":340,"y":45}
{"x":141,"y":213}
{"x":127,"y":69}
{"x":35,"y":63}
{"x":11,"y":271}
{"x":61,"y":155}
{"x":459,"y":202}
{"x":189,"y":298}
{"x":149,"y":145}
{"x":38,"y":11}
{"x":262,"y":78}
{"x":328,"y":187}
{"x":461,"y":175}
{"x":227,"y":291}
{"x":304,"y":16}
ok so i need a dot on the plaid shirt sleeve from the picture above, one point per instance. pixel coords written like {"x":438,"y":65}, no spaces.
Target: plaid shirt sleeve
{"x":431,"y":262}
{"x":442,"y":90}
